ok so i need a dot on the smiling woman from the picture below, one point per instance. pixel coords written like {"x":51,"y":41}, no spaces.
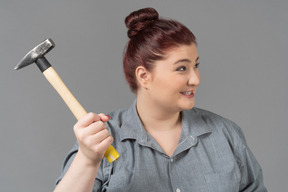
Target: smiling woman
{"x":165,"y":143}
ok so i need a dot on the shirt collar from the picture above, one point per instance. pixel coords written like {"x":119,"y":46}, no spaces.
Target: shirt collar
{"x":132,"y":127}
{"x":194,"y":125}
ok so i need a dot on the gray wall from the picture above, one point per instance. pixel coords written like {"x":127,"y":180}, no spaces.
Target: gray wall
{"x":243,"y":49}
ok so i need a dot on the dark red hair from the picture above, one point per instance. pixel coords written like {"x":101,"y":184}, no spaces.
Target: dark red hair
{"x":150,"y":36}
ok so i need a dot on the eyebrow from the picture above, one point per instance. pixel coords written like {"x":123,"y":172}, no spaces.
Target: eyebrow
{"x":185,"y":60}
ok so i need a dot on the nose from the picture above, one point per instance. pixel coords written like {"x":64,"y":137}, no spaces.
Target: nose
{"x":194,"y":78}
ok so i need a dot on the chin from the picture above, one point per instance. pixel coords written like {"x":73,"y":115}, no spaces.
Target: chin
{"x":186,"y":107}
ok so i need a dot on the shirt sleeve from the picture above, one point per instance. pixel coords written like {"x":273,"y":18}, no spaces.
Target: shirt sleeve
{"x":67,"y":163}
{"x":251,"y":172}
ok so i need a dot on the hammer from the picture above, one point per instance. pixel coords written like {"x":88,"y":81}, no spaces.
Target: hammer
{"x":37,"y":55}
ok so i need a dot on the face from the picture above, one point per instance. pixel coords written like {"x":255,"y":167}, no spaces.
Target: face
{"x":174,"y":80}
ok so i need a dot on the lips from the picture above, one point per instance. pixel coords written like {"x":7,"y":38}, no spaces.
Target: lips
{"x":187,"y":93}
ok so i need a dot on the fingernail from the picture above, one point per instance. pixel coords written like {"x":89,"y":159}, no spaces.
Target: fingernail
{"x":108,"y":116}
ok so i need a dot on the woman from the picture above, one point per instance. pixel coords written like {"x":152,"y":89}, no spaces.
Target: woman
{"x":165,"y":144}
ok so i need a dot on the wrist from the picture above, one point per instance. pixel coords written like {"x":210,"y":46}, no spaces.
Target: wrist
{"x":87,"y":162}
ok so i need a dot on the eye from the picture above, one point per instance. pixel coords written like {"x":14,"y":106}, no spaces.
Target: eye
{"x":182,"y":68}
{"x":196,"y":66}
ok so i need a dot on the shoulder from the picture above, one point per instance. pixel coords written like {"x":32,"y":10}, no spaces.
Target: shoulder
{"x":118,"y":116}
{"x":217,"y":124}
{"x":222,"y":133}
{"x":209,"y":117}
{"x":120,"y":119}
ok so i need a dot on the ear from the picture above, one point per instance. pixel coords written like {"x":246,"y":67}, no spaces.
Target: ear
{"x":143,"y":76}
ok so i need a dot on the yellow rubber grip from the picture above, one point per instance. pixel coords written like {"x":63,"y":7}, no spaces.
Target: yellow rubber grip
{"x":111,"y":154}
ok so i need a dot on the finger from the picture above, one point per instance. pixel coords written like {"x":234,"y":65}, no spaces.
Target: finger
{"x":104,"y":117}
{"x":88,"y":119}
{"x":94,"y":128}
{"x":92,"y":141}
{"x":104,"y":144}
{"x":100,"y":136}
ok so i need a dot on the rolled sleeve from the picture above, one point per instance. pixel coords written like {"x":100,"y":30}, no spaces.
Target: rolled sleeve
{"x":67,"y":162}
{"x":251,"y":174}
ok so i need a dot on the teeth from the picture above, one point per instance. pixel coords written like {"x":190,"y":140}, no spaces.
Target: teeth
{"x":187,"y":92}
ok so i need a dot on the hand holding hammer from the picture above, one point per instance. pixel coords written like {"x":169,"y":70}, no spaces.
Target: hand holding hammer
{"x":37,"y":55}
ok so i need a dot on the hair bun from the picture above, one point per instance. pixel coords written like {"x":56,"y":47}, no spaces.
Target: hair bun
{"x":138,"y":20}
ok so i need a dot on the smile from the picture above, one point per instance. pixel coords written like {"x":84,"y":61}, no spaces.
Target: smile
{"x":187,"y":92}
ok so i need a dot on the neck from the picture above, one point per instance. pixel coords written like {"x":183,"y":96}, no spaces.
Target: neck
{"x":156,"y":118}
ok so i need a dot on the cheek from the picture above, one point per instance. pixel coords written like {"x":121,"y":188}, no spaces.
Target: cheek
{"x":180,"y":81}
{"x":176,"y":85}
{"x":160,"y":80}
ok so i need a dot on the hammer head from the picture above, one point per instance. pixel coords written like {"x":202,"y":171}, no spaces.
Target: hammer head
{"x":36,"y":53}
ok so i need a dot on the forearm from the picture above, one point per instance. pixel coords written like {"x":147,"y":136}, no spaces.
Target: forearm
{"x":79,"y":177}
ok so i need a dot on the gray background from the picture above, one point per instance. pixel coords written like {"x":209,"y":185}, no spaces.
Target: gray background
{"x":243,"y":49}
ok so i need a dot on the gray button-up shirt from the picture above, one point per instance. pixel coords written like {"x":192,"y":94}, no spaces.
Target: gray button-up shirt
{"x":212,"y":156}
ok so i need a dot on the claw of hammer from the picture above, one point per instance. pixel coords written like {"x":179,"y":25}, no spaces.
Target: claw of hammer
{"x":37,"y":55}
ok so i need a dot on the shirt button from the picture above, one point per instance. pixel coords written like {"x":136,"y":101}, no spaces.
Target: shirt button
{"x":178,"y":190}
{"x":171,"y":160}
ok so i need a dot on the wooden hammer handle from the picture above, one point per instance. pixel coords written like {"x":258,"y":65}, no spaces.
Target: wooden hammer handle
{"x":54,"y":79}
{"x":51,"y":75}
